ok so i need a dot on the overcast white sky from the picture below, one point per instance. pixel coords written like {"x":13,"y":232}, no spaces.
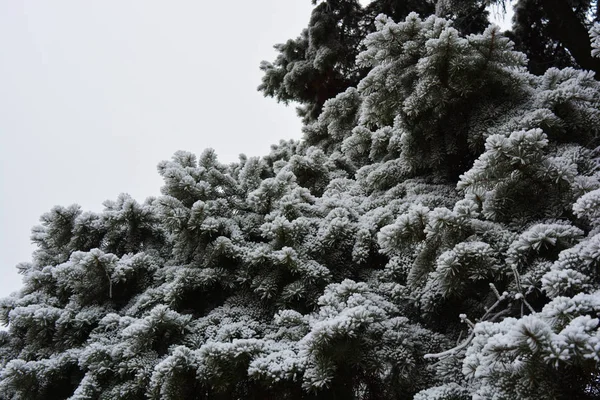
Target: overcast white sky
{"x":93,"y":94}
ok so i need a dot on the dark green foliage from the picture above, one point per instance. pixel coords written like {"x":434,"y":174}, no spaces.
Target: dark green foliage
{"x":554,"y":33}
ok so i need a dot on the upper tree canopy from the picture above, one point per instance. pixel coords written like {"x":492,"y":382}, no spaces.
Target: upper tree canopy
{"x":554,"y":33}
{"x":321,"y":62}
{"x":434,"y":235}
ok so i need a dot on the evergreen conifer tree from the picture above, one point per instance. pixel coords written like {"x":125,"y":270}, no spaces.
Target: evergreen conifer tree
{"x":434,"y":235}
{"x":320,"y":63}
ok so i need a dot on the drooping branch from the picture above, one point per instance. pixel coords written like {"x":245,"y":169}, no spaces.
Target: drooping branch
{"x":463,"y":345}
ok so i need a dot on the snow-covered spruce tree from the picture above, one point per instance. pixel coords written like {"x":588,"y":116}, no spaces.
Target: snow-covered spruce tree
{"x":434,"y":235}
{"x":321,"y":62}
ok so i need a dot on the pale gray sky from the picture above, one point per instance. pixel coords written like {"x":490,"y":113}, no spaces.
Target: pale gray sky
{"x":93,"y":94}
